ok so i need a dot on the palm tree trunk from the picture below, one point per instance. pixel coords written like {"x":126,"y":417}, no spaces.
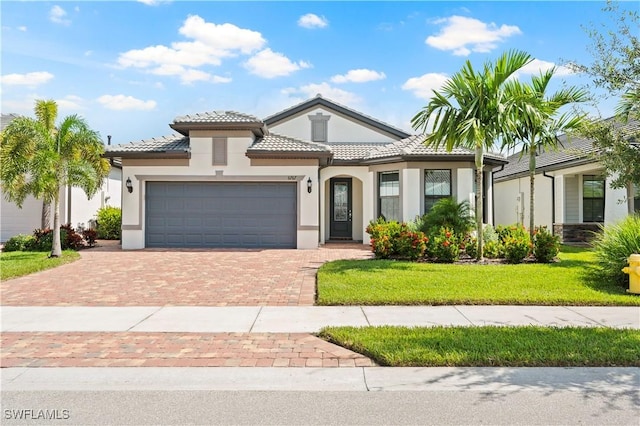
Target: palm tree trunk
{"x":45,"y":218}
{"x":479,"y":186}
{"x":56,"y":248}
{"x":532,"y":178}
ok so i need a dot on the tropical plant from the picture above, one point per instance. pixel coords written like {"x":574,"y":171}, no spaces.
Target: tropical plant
{"x":517,"y":245}
{"x":614,"y":245}
{"x":546,"y":246}
{"x":444,"y":246}
{"x":470,"y":111}
{"x":536,"y":123}
{"x":34,"y":160}
{"x":446,"y":212}
{"x":20,"y":242}
{"x":109,"y":223}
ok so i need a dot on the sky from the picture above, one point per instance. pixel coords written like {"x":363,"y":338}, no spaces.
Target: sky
{"x":130,"y":67}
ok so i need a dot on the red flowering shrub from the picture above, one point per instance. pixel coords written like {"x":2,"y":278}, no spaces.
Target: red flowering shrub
{"x":393,"y":239}
{"x":445,"y":247}
{"x":545,"y":245}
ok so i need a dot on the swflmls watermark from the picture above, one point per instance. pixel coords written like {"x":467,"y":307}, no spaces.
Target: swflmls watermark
{"x":36,"y":414}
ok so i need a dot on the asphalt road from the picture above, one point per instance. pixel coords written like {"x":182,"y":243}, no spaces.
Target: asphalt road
{"x":525,"y":407}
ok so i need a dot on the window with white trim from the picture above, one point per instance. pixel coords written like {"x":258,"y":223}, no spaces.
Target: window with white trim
{"x":437,"y":185}
{"x":389,"y":195}
{"x":592,"y":198}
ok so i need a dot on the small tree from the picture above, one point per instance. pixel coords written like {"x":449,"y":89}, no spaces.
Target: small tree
{"x":38,"y":161}
{"x":470,"y":111}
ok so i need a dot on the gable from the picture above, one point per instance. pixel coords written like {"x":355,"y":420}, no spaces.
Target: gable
{"x":342,"y":124}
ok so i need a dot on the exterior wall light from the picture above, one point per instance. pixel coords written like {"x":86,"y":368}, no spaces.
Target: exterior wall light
{"x":129,"y":185}
{"x":309,"y":185}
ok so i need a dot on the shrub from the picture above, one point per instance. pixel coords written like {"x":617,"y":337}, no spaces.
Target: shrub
{"x":409,"y":244}
{"x":90,"y":236}
{"x":449,"y":214}
{"x":109,"y":223}
{"x":393,"y":239}
{"x":471,"y":247}
{"x":20,"y":242}
{"x":69,"y":239}
{"x":489,"y":234}
{"x":614,"y":245}
{"x":444,"y":247}
{"x":493,"y":250}
{"x":545,"y":245}
{"x":517,"y":243}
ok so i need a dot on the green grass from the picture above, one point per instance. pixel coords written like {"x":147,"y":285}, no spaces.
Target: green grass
{"x":18,"y":263}
{"x":529,"y":346}
{"x":388,"y":282}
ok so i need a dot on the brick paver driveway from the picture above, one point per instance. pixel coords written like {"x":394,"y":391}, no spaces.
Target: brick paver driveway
{"x":113,"y":277}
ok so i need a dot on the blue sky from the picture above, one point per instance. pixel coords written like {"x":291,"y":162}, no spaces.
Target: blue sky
{"x":130,"y":67}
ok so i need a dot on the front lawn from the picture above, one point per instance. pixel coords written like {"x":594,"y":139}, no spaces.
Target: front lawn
{"x":529,"y":346}
{"x":18,"y":263}
{"x":388,"y":282}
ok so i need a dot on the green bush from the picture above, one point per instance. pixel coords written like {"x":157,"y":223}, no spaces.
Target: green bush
{"x":614,"y":245}
{"x":109,"y":223}
{"x":517,"y":243}
{"x":471,"y":247}
{"x":449,"y":214}
{"x":493,"y":250}
{"x":445,"y":247}
{"x":20,"y":242}
{"x":546,"y":246}
{"x":393,"y":239}
{"x":489,"y":234}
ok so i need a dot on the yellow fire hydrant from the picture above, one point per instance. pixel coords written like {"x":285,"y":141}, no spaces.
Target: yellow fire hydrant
{"x":634,"y":273}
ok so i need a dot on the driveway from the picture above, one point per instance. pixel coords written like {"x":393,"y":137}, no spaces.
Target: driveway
{"x":109,"y":276}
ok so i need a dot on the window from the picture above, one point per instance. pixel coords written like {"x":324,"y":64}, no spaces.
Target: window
{"x":636,"y":198}
{"x":437,"y":185}
{"x":219,"y":152}
{"x":319,"y":127}
{"x":592,"y":198}
{"x":389,"y":195}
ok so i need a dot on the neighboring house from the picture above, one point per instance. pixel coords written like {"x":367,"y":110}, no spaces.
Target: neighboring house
{"x":313,"y":173}
{"x":572,"y":196}
{"x":75,"y":209}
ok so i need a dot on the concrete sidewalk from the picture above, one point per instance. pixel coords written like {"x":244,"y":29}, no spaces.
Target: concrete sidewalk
{"x":303,"y":319}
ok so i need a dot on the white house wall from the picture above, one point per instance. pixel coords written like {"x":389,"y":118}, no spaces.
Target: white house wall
{"x":15,"y":220}
{"x":84,"y":209}
{"x":339,"y":128}
{"x":512,"y":201}
{"x":200,"y":169}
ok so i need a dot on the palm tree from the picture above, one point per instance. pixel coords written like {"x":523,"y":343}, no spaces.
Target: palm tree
{"x":470,"y":111}
{"x":536,"y":123}
{"x":38,"y":159}
{"x":46,"y":112}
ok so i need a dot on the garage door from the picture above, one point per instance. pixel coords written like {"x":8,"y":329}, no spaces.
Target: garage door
{"x":234,"y":215}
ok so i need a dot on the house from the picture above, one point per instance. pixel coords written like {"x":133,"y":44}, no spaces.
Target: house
{"x":316,"y":172}
{"x":572,"y":196}
{"x":75,"y":207}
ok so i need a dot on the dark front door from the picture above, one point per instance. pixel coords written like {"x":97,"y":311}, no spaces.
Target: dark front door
{"x":341,"y":209}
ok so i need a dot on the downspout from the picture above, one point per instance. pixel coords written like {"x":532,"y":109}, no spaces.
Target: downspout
{"x":553,"y":198}
{"x":493,"y":196}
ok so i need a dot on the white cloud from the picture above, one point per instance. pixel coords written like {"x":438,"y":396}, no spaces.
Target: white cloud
{"x":122,"y":103}
{"x":358,"y":76}
{"x":423,"y":86}
{"x":325,"y":89}
{"x":30,"y":79}
{"x":537,"y":66}
{"x":311,"y":20}
{"x":70,"y":102}
{"x":22,"y":28}
{"x":464,"y":35}
{"x":210,"y":43}
{"x":58,"y":15}
{"x":270,"y":64}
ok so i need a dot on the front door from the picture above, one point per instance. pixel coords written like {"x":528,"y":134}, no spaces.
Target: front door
{"x":340,"y":228}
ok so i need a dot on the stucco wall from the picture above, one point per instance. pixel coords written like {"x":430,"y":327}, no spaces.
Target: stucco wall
{"x":200,"y":169}
{"x":340,"y":128}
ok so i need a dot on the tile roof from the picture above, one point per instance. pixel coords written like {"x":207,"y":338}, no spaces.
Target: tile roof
{"x":217,"y":117}
{"x":278,"y":143}
{"x":6,"y":119}
{"x":345,"y":151}
{"x":163,"y":144}
{"x":572,"y":150}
